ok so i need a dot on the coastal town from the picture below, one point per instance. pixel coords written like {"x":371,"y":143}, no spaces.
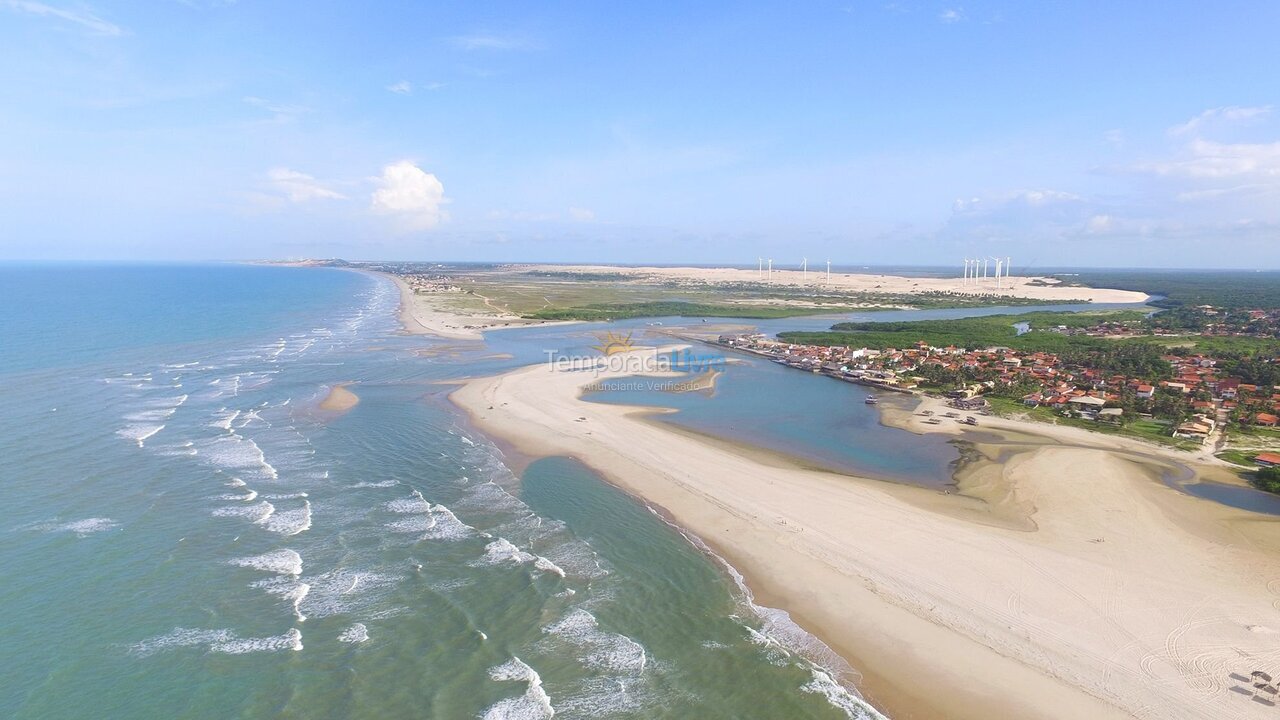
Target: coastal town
{"x":1190,"y":395}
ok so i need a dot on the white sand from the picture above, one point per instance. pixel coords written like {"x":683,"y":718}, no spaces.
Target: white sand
{"x":1126,"y":599}
{"x":1037,"y":288}
{"x":429,"y":314}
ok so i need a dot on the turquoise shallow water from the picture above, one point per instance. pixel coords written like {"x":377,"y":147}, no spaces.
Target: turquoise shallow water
{"x":186,"y":535}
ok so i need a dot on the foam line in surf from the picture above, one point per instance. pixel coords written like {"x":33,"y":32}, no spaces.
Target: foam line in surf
{"x":534,"y":704}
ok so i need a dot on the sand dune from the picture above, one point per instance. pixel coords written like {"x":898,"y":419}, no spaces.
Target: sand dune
{"x":1034,"y":287}
{"x":1084,"y":590}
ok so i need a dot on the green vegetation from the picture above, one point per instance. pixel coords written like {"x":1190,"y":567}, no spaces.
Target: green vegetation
{"x":1242,"y":357}
{"x":619,"y":311}
{"x":1239,"y":457}
{"x":1268,"y":479}
{"x":1230,"y":289}
{"x":1154,"y":431}
{"x":975,"y":332}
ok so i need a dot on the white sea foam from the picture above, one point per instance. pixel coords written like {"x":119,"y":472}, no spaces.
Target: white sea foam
{"x":840,"y":697}
{"x":290,"y":522}
{"x":225,"y":418}
{"x":281,"y":562}
{"x":290,"y":589}
{"x":347,"y":590}
{"x":503,"y":551}
{"x":380,"y":484}
{"x":285,"y":496}
{"x":249,"y":496}
{"x":357,"y":633}
{"x":534,"y":704}
{"x":81,"y":528}
{"x":235,"y":482}
{"x":258,"y":512}
{"x":546,"y":565}
{"x":139,"y":432}
{"x":779,"y":631}
{"x":447,"y":526}
{"x":291,"y":640}
{"x":415,"y":504}
{"x":180,"y":637}
{"x":603,"y":650}
{"x":240,"y":454}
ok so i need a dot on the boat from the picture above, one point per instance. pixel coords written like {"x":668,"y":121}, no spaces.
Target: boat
{"x":872,"y":400}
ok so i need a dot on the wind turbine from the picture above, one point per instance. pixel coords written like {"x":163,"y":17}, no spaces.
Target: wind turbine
{"x":965,"y":277}
{"x":984,"y":268}
{"x":770,"y":269}
{"x":999,"y":262}
{"x":828,"y":272}
{"x":804,"y":268}
{"x":759,"y":268}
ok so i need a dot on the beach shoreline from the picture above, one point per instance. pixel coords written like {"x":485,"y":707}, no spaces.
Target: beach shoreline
{"x":952,"y":593}
{"x":424,"y":315}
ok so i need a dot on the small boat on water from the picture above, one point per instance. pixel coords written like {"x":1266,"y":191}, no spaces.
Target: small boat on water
{"x":872,"y":400}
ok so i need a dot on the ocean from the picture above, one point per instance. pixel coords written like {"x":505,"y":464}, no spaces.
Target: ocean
{"x":187,"y":534}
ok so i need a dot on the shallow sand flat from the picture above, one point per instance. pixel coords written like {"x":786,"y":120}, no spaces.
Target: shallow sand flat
{"x":339,"y":399}
{"x":1037,"y":288}
{"x":1128,"y":599}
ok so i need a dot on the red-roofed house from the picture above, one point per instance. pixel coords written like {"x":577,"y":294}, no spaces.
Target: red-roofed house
{"x":1267,"y":459}
{"x":1266,"y":420}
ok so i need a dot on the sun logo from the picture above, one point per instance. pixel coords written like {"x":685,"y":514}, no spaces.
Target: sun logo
{"x":612,"y":343}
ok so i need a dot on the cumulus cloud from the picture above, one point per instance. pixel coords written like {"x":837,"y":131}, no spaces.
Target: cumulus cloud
{"x":1229,"y":113}
{"x":404,"y":87}
{"x":83,"y":18}
{"x":414,"y":197}
{"x":950,"y":15}
{"x":301,"y":187}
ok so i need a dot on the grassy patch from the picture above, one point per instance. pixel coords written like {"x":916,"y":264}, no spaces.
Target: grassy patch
{"x":621,"y":311}
{"x":1239,"y":457}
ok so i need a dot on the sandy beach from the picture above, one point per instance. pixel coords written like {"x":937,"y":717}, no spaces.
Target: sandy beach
{"x":427,"y":314}
{"x":1032,"y":287}
{"x":1061,"y":580}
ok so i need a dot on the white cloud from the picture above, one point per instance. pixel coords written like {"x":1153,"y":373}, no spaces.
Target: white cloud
{"x":951,"y":15}
{"x":581,"y":214}
{"x":1099,"y":225}
{"x":83,"y":18}
{"x":1229,"y":113}
{"x":404,"y":87}
{"x":301,"y":187}
{"x":413,"y":196}
{"x":485,"y":41}
{"x":281,"y":113}
{"x":1206,"y":159}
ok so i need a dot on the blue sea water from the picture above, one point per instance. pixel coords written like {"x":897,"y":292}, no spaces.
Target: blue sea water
{"x":186,"y":533}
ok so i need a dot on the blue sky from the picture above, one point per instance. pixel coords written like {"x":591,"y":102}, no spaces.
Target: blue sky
{"x":1134,"y":134}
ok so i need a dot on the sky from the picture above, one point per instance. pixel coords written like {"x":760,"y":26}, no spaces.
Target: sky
{"x":1056,"y":133}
